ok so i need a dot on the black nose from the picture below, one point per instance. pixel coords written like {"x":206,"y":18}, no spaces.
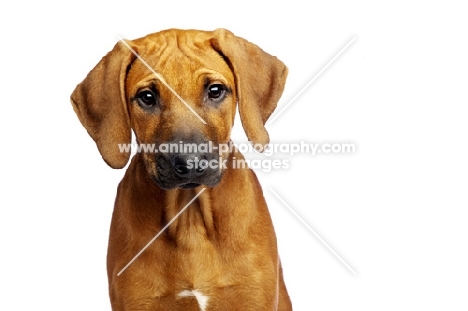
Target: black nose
{"x":189,"y":165}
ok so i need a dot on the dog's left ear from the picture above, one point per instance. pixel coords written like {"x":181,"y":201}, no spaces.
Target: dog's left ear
{"x":260,"y":79}
{"x":100,"y":104}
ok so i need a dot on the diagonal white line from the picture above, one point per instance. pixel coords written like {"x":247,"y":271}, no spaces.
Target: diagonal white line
{"x":159,"y":233}
{"x":310,"y":82}
{"x":160,"y":78}
{"x":315,"y":233}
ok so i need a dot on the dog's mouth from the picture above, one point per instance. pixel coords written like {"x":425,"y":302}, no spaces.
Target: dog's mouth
{"x":166,"y":179}
{"x":181,"y":171}
{"x":189,"y":185}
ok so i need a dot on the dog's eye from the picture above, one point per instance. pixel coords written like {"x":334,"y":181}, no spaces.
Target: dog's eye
{"x":146,"y":99}
{"x":216,"y":91}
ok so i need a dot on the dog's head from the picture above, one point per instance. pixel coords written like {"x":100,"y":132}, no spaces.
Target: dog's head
{"x":178,"y":89}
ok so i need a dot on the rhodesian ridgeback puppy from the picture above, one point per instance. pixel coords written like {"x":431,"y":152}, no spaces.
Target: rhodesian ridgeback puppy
{"x":220,"y":253}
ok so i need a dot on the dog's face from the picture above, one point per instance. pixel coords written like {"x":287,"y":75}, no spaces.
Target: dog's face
{"x":203,"y":79}
{"x":209,"y":71}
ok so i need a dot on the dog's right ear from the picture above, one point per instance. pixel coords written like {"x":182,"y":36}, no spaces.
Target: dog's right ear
{"x":260,"y":79}
{"x":100,"y":104}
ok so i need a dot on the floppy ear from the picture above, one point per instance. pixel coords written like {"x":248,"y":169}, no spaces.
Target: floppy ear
{"x":260,"y":80}
{"x":100,"y":103}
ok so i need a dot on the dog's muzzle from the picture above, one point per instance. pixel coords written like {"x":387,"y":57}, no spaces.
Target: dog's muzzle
{"x":188,"y":170}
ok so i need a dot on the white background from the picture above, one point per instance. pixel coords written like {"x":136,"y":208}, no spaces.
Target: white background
{"x":395,"y":210}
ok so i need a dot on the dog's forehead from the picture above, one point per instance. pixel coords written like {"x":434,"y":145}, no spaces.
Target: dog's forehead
{"x":175,"y":50}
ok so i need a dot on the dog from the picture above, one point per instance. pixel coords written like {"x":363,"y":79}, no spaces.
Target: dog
{"x":178,"y":87}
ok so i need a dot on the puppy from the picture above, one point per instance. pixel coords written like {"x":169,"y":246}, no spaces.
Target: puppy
{"x":186,"y":236}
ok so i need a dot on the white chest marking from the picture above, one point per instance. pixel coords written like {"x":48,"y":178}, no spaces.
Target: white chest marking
{"x":201,"y":299}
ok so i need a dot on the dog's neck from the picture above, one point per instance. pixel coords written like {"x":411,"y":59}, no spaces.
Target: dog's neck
{"x":156,"y":207}
{"x":192,"y":219}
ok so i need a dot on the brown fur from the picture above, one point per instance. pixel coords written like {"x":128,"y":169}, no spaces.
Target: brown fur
{"x":223,"y":244}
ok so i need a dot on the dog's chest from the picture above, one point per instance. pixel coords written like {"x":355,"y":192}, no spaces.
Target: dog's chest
{"x":201,"y":299}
